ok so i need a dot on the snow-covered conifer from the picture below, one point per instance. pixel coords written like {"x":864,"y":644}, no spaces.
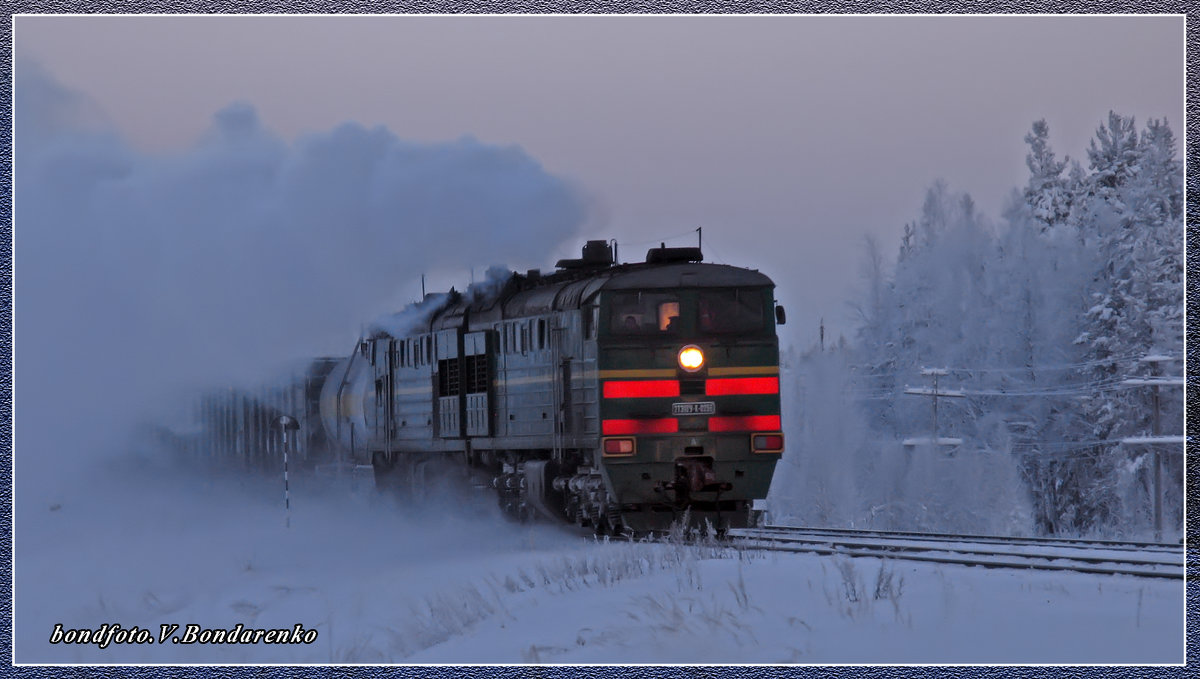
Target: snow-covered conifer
{"x":1048,"y":193}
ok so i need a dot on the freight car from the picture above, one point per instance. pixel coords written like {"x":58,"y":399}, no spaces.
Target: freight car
{"x":616,"y":396}
{"x":237,"y":427}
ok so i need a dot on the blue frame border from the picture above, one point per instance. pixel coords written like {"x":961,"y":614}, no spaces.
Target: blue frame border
{"x":558,"y":6}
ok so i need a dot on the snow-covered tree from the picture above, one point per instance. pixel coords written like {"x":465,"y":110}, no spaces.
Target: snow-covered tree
{"x":1157,"y":196}
{"x":1113,"y":155}
{"x":1041,"y":318}
{"x":1132,"y":216}
{"x":1048,"y":193}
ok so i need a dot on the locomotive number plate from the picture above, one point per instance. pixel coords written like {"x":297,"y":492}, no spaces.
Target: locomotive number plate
{"x":699,"y":408}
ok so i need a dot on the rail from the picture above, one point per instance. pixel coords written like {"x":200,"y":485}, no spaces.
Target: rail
{"x":1108,"y":557}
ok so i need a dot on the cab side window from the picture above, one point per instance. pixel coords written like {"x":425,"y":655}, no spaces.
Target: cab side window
{"x":590,"y":317}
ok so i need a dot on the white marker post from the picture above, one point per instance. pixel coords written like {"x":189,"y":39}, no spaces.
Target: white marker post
{"x":286,"y":423}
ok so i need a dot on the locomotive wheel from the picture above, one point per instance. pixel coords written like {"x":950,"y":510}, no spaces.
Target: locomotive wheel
{"x":514,"y":513}
{"x":606,"y":527}
{"x":615,"y":528}
{"x":384,"y":466}
{"x":418,"y":482}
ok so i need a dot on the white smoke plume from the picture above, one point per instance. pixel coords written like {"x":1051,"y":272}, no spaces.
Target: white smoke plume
{"x":139,"y":274}
{"x":412,"y":318}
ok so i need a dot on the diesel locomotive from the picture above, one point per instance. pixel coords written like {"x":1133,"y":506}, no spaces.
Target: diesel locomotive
{"x":616,"y":396}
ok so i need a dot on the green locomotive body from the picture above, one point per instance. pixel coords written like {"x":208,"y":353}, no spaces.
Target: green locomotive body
{"x":675,"y":435}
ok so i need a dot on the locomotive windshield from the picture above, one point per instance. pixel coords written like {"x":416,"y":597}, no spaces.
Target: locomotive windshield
{"x":721,"y":311}
{"x":703,"y":311}
{"x":645,"y":313}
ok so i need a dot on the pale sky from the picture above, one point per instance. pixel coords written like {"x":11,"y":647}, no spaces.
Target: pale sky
{"x":786,"y":138}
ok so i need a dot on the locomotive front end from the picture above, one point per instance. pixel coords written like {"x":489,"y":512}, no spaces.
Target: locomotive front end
{"x":688,"y":363}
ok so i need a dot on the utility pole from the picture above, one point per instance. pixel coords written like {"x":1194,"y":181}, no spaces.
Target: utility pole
{"x":935,"y":393}
{"x":1154,"y":381}
{"x":699,"y":237}
{"x":1156,"y":430}
{"x":822,"y":334}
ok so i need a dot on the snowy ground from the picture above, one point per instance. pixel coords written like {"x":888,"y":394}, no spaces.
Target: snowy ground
{"x":382,"y":585}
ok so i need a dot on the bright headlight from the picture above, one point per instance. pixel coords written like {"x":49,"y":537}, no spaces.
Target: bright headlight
{"x":691,"y":358}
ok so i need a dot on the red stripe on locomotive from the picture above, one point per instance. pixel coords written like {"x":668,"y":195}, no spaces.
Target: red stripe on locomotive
{"x":744,"y":423}
{"x":667,"y":425}
{"x":734,"y":386}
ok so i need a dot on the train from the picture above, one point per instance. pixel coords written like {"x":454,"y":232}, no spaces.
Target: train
{"x":616,"y":396}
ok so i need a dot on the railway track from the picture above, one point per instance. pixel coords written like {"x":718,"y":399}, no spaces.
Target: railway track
{"x":1140,"y":559}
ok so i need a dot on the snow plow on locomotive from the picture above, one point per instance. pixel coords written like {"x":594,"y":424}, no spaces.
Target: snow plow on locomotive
{"x":616,"y":396}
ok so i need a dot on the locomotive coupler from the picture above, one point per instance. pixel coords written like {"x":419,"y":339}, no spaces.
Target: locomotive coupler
{"x":694,"y":473}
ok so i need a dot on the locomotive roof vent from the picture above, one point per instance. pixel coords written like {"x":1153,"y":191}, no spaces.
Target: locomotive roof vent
{"x":597,"y":254}
{"x":666,"y":255}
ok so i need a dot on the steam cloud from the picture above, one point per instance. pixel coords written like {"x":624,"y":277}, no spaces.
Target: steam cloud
{"x":138,"y":274}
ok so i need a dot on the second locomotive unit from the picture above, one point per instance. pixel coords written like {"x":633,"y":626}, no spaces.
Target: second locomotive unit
{"x":616,"y":396}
